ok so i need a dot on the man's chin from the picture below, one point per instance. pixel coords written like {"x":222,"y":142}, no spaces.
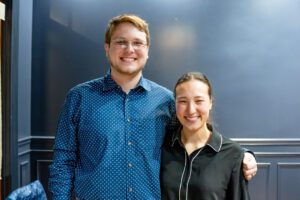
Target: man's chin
{"x":130,"y":71}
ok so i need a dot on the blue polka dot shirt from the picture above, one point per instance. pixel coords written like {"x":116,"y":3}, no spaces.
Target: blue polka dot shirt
{"x":108,"y":143}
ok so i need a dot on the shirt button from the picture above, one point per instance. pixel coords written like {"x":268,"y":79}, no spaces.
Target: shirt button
{"x":128,"y":119}
{"x":129,"y":165}
{"x":129,"y":143}
{"x":130,"y":189}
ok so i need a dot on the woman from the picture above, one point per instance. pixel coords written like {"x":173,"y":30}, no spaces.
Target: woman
{"x":197,"y":161}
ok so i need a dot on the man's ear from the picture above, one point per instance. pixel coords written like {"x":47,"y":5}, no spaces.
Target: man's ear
{"x":106,"y":47}
{"x":147,"y":53}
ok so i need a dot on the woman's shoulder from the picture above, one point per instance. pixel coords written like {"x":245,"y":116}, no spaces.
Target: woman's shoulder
{"x":231,"y":146}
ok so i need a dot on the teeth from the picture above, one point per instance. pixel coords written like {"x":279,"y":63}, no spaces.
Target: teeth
{"x":128,"y":59}
{"x":192,"y":118}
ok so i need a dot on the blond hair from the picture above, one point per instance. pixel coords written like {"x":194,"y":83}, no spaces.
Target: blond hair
{"x":138,"y":22}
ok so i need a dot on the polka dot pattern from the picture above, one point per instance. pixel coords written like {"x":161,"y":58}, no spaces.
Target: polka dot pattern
{"x":108,"y":143}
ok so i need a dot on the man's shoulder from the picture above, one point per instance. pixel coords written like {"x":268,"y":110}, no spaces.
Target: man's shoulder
{"x":88,"y":85}
{"x":157,"y":87}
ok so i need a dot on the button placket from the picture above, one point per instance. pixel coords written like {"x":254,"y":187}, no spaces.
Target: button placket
{"x":129,"y":130}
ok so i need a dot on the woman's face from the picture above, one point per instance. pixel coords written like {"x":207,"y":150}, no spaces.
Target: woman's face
{"x":193,"y":105}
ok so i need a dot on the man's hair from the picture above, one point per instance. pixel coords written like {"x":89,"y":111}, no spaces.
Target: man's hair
{"x":138,"y":22}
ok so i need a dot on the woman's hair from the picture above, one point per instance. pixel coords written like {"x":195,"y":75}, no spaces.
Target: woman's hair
{"x":138,"y":22}
{"x":200,"y":77}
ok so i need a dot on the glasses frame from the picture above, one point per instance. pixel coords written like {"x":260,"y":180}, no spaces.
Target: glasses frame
{"x":124,"y":44}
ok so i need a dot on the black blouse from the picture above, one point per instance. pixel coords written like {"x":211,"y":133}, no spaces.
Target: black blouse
{"x":212,"y":172}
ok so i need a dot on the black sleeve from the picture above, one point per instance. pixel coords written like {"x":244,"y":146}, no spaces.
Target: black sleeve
{"x":238,"y":186}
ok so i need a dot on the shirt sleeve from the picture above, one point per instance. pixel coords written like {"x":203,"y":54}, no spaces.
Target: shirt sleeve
{"x":248,"y":151}
{"x":61,"y":180}
{"x":238,"y":186}
{"x":173,"y":124}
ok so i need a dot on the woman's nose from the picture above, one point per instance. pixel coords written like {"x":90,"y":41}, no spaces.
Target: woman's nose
{"x":191,"y":107}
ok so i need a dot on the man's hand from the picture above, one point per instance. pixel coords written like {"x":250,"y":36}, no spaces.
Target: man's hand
{"x":249,"y":166}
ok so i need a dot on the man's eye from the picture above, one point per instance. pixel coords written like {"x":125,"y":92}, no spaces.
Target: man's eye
{"x":138,"y":44}
{"x":121,"y":42}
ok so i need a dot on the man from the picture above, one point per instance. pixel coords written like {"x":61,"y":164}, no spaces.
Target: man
{"x":111,"y":129}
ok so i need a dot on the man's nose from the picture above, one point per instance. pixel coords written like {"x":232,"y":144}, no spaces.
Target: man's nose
{"x":130,"y":46}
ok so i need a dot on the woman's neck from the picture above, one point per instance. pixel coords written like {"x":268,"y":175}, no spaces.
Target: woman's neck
{"x":195,"y":140}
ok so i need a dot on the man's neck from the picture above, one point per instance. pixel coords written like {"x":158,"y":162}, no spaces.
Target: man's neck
{"x":127,"y":82}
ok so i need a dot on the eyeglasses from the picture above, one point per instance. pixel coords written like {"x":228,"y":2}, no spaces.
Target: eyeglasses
{"x":123,"y":44}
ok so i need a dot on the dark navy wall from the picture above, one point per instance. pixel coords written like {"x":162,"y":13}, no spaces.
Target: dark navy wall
{"x":249,"y":50}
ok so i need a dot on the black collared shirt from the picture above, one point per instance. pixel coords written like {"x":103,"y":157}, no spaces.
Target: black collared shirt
{"x":212,"y":172}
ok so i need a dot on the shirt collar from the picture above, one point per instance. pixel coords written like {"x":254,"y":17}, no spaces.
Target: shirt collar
{"x":215,"y":141}
{"x":176,"y":136}
{"x":110,"y":84}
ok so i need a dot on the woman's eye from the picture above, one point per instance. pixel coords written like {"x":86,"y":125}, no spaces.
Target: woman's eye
{"x":199,"y":101}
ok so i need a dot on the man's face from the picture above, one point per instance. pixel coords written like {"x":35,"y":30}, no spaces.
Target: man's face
{"x":127,"y":51}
